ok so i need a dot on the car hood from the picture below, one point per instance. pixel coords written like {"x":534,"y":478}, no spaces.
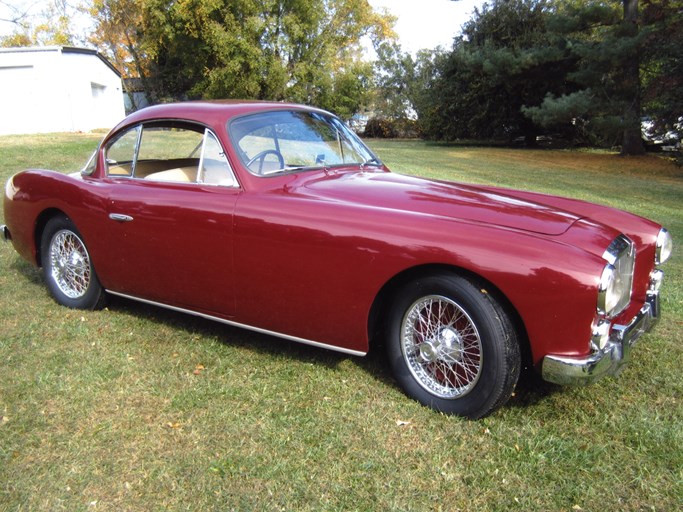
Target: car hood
{"x":443,"y":199}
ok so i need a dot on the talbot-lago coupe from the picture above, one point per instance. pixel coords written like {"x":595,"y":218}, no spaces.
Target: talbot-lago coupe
{"x":277,"y":218}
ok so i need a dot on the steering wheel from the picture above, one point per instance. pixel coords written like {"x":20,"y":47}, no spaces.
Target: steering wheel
{"x":262,"y":157}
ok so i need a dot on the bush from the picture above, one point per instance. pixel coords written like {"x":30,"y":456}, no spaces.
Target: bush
{"x":384,"y":128}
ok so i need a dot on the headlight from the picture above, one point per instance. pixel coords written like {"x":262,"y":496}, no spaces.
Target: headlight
{"x":614,"y":291}
{"x":664,"y":246}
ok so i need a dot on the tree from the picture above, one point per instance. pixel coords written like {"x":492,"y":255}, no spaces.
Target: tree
{"x":51,"y":27}
{"x":504,"y":59}
{"x":300,"y":50}
{"x":662,"y":66}
{"x":608,"y":40}
{"x":118,"y":35}
{"x":394,"y":78}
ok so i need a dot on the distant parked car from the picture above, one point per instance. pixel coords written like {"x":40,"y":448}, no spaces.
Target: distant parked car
{"x":277,"y":218}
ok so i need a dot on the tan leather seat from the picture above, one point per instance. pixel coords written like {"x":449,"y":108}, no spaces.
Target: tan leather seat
{"x":179,"y":174}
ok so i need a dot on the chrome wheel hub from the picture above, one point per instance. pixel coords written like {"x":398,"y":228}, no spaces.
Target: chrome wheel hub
{"x":70,"y":264}
{"x":441,"y":346}
{"x":447,"y":345}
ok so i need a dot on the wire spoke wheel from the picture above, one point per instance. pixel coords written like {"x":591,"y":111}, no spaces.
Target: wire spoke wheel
{"x":70,"y":264}
{"x":68,"y":269}
{"x":441,"y":346}
{"x":452,"y":345}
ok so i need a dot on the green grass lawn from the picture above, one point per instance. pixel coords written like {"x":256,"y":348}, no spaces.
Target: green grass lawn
{"x":138,"y":408}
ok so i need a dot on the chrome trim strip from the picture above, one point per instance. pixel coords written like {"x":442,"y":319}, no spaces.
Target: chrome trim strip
{"x":619,"y":246}
{"x":242,"y":326}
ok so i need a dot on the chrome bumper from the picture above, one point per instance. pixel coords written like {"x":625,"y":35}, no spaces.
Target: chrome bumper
{"x":4,"y":233}
{"x":609,"y":360}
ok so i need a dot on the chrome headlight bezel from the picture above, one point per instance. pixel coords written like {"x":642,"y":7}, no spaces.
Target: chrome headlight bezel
{"x":616,"y":281}
{"x":664,"y":246}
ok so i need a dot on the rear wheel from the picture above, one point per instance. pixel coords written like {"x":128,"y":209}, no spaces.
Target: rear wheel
{"x":452,"y":346}
{"x":67,"y":268}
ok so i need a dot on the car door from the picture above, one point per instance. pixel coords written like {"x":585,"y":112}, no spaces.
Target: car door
{"x":170,"y":218}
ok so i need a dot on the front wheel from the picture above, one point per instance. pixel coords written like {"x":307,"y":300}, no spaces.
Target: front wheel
{"x":67,"y":268}
{"x":452,"y":346}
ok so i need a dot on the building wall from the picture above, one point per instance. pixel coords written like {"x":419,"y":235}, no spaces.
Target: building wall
{"x":51,"y":89}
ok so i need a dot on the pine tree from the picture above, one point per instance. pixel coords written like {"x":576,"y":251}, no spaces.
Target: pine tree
{"x":606,"y":41}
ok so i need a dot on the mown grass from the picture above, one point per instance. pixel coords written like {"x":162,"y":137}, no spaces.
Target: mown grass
{"x":136,"y":408}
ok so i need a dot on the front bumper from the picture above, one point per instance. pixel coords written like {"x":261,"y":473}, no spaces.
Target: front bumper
{"x":608,"y":361}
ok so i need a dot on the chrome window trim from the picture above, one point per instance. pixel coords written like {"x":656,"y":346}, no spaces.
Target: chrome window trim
{"x":119,"y":136}
{"x":140,"y":127}
{"x":200,"y":171}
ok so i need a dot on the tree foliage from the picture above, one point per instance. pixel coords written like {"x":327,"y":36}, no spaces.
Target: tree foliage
{"x":402,"y":85}
{"x":307,"y":51}
{"x":662,"y":69}
{"x":53,"y":27}
{"x":118,"y":35}
{"x":504,"y":59}
{"x":588,"y":69}
{"x":606,"y":39}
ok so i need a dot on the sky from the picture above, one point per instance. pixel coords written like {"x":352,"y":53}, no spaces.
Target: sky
{"x":428,"y":23}
{"x":420,"y":23}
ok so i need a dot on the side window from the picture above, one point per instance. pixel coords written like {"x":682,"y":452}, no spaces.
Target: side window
{"x":214,"y":168}
{"x":120,"y":153}
{"x":169,"y":153}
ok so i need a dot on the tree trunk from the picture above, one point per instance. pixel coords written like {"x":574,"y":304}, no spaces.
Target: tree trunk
{"x":632,"y":142}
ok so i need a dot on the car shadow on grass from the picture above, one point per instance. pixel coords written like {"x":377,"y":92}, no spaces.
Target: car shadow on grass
{"x":531,"y":388}
{"x":32,"y":274}
{"x":372,"y":363}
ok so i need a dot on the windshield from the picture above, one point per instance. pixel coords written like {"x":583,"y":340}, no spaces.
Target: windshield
{"x":277,"y":142}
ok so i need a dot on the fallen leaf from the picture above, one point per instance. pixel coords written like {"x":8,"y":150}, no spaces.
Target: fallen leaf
{"x":198,"y":369}
{"x":174,"y":426}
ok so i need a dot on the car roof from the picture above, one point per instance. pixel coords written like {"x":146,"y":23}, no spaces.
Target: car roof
{"x":207,"y":112}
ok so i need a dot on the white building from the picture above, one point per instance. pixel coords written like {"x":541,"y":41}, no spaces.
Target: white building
{"x":57,"y":89}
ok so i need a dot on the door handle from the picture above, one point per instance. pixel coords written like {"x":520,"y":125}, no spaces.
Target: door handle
{"x":120,"y":217}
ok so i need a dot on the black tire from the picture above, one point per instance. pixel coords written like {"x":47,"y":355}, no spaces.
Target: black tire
{"x":452,"y":346}
{"x":67,"y":267}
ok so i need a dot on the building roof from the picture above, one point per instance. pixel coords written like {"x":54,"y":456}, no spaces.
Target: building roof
{"x":62,"y":49}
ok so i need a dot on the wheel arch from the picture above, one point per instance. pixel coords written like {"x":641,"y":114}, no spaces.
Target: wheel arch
{"x":384,"y":299}
{"x":41,"y":221}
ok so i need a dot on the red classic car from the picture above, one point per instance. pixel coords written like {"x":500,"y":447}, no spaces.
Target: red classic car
{"x":276,"y":218}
